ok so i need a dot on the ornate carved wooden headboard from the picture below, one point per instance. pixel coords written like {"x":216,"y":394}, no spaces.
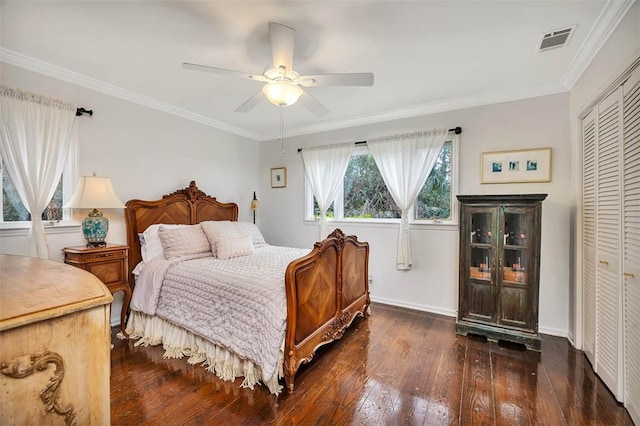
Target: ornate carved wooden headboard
{"x":185,"y":206}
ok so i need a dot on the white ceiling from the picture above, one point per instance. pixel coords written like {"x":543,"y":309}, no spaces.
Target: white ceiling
{"x":427,"y":56}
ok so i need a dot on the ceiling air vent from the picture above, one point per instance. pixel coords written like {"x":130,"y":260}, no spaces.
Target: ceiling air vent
{"x":556,"y":38}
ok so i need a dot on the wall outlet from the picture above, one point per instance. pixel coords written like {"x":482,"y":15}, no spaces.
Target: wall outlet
{"x":370,"y":281}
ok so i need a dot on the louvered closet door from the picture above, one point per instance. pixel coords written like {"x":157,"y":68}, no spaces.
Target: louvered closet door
{"x":631,"y":244}
{"x":608,"y":239}
{"x":589,"y":235}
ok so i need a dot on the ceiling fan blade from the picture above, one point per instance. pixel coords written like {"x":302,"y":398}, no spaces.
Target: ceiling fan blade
{"x":312,"y":104}
{"x":251,"y":103}
{"x":347,"y":79}
{"x":282,"y":43}
{"x":223,"y":71}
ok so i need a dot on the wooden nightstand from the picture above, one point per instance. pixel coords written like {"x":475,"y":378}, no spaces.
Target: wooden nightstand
{"x":109,"y":264}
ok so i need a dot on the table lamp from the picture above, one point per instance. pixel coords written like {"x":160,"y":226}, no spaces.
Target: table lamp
{"x":95,"y":193}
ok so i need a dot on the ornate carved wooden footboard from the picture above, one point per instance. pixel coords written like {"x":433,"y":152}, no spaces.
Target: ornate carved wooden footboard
{"x":325,"y":289}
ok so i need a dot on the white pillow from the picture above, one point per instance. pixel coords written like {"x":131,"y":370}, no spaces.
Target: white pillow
{"x":234,"y":247}
{"x":256,"y":236}
{"x":183,"y":241}
{"x":151,"y":244}
{"x":223,"y":229}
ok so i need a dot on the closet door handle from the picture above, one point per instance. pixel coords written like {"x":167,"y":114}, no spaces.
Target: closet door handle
{"x":604,"y":262}
{"x":629,"y":275}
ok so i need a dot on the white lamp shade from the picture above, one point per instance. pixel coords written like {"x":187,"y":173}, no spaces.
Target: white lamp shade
{"x":282,"y":93}
{"x":94,"y":192}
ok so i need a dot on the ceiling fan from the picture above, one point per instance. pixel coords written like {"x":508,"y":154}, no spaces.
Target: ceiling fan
{"x":282,"y":86}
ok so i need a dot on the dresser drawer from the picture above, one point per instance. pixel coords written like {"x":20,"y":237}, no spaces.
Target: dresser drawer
{"x":107,"y":272}
{"x":95,"y":257}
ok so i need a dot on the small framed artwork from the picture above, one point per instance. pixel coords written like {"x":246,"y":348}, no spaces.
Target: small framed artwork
{"x":279,"y":177}
{"x":519,"y":166}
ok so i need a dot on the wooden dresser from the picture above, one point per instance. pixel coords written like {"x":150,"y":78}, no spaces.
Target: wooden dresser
{"x":54,"y":344}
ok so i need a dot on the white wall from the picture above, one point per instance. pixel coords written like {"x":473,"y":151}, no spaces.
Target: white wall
{"x":622,"y":48}
{"x":147,"y":153}
{"x":432,"y":285}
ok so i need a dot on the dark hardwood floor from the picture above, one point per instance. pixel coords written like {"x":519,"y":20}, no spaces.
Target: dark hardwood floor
{"x":396,"y":367}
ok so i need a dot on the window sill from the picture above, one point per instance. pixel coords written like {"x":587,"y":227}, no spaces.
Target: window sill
{"x":388,"y":223}
{"x":22,"y":228}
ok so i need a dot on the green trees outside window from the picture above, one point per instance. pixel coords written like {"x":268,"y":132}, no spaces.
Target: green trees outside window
{"x":365,"y":195}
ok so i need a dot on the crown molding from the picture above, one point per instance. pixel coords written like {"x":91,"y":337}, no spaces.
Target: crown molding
{"x":427,"y":109}
{"x":42,"y":67}
{"x":606,"y":23}
{"x":23,"y":61}
{"x":609,"y":18}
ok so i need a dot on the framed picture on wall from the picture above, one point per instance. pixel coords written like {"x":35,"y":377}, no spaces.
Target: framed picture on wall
{"x":519,"y":166}
{"x":279,"y":177}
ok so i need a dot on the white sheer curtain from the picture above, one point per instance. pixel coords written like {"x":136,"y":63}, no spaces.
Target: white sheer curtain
{"x":35,"y":135}
{"x":405,"y":162}
{"x":325,"y":167}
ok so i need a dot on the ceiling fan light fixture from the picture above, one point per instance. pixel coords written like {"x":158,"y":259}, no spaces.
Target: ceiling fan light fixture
{"x":282,"y":93}
{"x":284,"y":86}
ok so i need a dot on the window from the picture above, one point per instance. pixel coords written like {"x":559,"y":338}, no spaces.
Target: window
{"x":13,"y":211}
{"x":435,"y":199}
{"x":365,"y":194}
{"x":365,"y":197}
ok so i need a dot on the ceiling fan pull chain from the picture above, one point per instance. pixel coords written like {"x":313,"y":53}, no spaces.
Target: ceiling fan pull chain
{"x":282,"y":130}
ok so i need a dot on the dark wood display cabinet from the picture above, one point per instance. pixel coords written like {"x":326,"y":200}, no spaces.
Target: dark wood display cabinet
{"x":500,"y":267}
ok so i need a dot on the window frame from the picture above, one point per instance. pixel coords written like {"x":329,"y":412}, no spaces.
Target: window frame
{"x":338,"y":202}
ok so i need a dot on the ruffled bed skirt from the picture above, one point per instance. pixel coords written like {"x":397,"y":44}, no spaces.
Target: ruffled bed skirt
{"x":178,"y":342}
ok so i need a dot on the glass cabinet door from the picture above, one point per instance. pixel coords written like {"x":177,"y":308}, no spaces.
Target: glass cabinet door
{"x":481,"y":263}
{"x":481,"y":245}
{"x":514,"y":268}
{"x":514,"y":248}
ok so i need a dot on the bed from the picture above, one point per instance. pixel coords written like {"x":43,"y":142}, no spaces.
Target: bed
{"x":325,"y":289}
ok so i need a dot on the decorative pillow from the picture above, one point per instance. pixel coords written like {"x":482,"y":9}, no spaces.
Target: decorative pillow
{"x":183,"y":241}
{"x":234,"y":247}
{"x":151,"y":246}
{"x":256,"y":236}
{"x":216,"y":229}
{"x":223,"y":229}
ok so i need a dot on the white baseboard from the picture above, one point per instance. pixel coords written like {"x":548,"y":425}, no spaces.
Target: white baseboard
{"x":451,"y":313}
{"x":553,"y":331}
{"x":417,"y":307}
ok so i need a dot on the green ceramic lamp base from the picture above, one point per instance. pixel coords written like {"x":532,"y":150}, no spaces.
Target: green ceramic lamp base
{"x":95,"y":228}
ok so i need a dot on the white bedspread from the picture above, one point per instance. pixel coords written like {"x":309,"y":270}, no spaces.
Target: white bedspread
{"x":239,"y":303}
